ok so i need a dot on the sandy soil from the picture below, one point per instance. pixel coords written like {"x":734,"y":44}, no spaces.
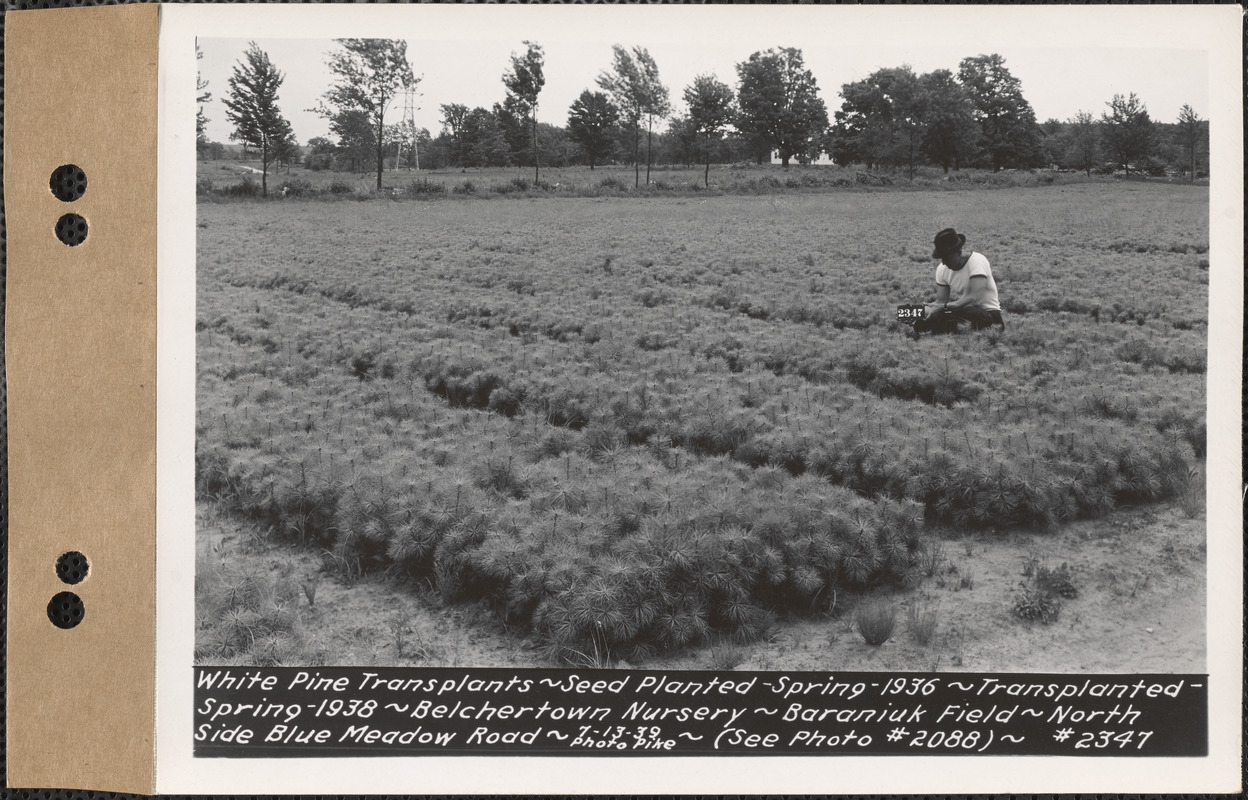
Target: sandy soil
{"x":1140,"y":608}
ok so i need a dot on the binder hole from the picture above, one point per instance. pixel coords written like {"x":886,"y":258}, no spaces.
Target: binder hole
{"x":68,"y":183}
{"x":66,"y":610}
{"x":72,"y":567}
{"x":71,"y":229}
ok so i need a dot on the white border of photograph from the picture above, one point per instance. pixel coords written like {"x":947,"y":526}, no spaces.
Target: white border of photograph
{"x":980,"y":29}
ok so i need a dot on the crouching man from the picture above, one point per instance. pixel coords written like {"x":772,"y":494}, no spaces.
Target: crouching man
{"x":966,"y":293}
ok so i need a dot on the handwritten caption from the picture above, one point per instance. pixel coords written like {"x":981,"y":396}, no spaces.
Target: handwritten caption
{"x":267,"y":712}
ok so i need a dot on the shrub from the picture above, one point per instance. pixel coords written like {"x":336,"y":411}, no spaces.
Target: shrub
{"x":465,"y":187}
{"x":514,"y":185}
{"x":203,"y":185}
{"x":245,"y":188}
{"x":296,"y":187}
{"x":425,"y":189}
{"x":341,"y":187}
{"x":875,"y":621}
{"x":613,"y":182}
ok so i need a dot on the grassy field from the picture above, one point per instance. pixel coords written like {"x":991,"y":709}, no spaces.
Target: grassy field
{"x":631,"y":424}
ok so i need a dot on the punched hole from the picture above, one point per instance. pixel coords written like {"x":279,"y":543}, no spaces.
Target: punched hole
{"x":66,"y":610}
{"x":71,"y":229}
{"x":72,"y":567}
{"x":68,"y":183}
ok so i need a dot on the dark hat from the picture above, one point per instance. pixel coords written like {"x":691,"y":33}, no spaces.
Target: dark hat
{"x":948,"y":241}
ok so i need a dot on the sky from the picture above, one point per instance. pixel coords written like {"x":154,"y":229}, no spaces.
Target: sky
{"x":466,"y":66}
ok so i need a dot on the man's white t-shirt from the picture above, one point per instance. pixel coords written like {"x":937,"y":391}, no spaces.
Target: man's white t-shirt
{"x":959,"y":282}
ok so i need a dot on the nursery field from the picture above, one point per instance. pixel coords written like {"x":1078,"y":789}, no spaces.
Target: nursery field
{"x":630,"y":425}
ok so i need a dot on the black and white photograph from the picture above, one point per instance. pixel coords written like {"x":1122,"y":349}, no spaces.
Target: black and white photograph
{"x":591,"y":347}
{"x":616,"y":377}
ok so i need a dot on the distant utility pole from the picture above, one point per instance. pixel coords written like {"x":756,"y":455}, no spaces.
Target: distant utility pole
{"x":409,"y":123}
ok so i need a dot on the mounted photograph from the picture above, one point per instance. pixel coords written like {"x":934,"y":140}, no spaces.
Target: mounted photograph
{"x":599,"y":350}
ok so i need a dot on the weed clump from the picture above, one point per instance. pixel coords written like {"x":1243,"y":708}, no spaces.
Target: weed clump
{"x":1033,"y":605}
{"x":1192,"y":493}
{"x":726,"y":656}
{"x":1039,"y":599}
{"x":921,"y":622}
{"x":875,"y":621}
{"x":1056,"y":581}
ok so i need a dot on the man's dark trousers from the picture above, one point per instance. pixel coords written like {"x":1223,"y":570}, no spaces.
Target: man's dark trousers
{"x":954,"y":320}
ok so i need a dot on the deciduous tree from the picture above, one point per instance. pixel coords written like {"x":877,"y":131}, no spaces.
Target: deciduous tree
{"x":368,"y":73}
{"x":882,"y":119}
{"x":679,"y":143}
{"x":357,"y":139}
{"x":1126,"y":130}
{"x":524,"y":82}
{"x":286,"y":151}
{"x":453,"y":115}
{"x":952,"y":134}
{"x":513,"y":120}
{"x":1083,"y":149}
{"x":1010,"y":135}
{"x":402,"y":143}
{"x":483,"y":140}
{"x":711,"y":111}
{"x":634,"y":85}
{"x":1192,"y":137}
{"x":591,"y":124}
{"x":252,"y":108}
{"x":320,"y":153}
{"x":779,"y":104}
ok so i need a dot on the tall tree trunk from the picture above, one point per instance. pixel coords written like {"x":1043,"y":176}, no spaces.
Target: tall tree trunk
{"x":706,"y":177}
{"x":380,"y":151}
{"x":649,"y":140}
{"x":535,"y":145}
{"x":264,"y":169}
{"x":637,"y":154}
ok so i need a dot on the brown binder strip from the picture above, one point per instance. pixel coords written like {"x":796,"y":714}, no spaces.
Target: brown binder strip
{"x":80,"y":344}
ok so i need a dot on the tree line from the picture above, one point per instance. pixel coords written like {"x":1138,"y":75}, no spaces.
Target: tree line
{"x":894,"y":118}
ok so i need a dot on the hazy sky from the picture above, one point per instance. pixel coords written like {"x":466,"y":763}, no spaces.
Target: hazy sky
{"x":467,"y":67}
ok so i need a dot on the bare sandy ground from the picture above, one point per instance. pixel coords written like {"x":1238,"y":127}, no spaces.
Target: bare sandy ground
{"x":1140,"y":608}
